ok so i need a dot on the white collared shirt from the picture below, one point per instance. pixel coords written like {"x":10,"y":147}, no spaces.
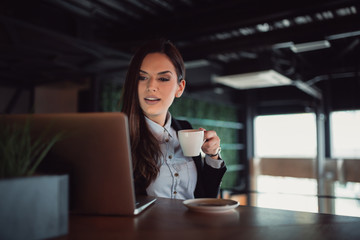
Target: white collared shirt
{"x":177,"y":176}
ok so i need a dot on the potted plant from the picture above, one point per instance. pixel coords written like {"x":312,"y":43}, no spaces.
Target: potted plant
{"x":31,"y":206}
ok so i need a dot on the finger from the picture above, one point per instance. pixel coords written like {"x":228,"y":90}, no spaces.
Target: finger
{"x":211,"y":145}
{"x":209,"y":134}
{"x":203,"y":129}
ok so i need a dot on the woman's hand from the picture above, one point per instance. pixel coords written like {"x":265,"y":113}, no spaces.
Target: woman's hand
{"x":211,"y":144}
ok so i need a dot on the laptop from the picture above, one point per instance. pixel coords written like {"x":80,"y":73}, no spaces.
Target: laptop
{"x":95,"y":153}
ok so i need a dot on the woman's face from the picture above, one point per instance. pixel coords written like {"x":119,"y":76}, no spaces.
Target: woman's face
{"x":158,"y":86}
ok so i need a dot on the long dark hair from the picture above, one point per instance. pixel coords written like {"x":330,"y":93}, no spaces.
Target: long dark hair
{"x":145,"y":148}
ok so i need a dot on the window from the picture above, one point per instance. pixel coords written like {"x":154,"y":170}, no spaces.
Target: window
{"x":345,"y":134}
{"x":287,"y":193}
{"x":286,"y":136}
{"x":290,"y":135}
{"x":294,"y":136}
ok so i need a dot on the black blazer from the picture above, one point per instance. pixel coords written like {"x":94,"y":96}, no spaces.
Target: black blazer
{"x":209,"y":179}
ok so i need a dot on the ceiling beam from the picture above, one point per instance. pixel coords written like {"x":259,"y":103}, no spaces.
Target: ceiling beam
{"x":267,"y":40}
{"x":308,"y":89}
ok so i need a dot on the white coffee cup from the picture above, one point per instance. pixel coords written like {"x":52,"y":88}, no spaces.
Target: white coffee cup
{"x":191,"y":141}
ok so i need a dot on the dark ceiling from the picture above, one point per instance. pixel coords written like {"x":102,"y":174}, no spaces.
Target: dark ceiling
{"x":53,"y":40}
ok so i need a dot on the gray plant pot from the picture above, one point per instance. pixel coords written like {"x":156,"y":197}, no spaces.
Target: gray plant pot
{"x":34,"y":207}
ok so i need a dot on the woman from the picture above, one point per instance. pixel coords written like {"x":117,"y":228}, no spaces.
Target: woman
{"x":155,"y":77}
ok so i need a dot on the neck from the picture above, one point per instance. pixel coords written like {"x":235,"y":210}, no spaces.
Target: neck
{"x":161,"y":120}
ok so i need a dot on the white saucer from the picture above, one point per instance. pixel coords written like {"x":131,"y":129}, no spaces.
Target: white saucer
{"x":210,"y":205}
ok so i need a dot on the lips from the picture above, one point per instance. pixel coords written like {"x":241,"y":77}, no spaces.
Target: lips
{"x":152,"y":100}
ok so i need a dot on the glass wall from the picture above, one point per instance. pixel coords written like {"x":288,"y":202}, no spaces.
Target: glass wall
{"x":280,"y":138}
{"x":290,"y":135}
{"x":345,"y":149}
{"x":285,"y":167}
{"x":285,"y":155}
{"x":345,"y":134}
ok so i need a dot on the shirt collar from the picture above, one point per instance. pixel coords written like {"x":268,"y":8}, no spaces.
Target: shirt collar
{"x":159,"y":131}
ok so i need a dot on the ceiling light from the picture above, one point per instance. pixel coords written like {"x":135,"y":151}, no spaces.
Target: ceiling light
{"x":265,"y":27}
{"x":310,"y":46}
{"x":343,"y":35}
{"x":261,"y":79}
{"x":303,"y":19}
{"x":196,"y":63}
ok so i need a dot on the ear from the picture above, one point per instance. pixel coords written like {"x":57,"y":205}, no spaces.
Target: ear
{"x":181,"y":88}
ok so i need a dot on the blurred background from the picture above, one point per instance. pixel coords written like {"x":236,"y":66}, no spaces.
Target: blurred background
{"x":278,"y":81}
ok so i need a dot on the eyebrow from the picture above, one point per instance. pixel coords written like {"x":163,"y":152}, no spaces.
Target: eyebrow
{"x":159,"y":73}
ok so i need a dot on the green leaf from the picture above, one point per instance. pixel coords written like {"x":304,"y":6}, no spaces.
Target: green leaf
{"x":20,"y":152}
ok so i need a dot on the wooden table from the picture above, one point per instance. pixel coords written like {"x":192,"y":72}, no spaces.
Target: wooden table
{"x":170,"y":219}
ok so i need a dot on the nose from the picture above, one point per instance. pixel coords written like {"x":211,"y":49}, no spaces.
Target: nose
{"x":151,"y":85}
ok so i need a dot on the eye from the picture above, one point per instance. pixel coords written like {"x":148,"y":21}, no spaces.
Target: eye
{"x":141,"y":78}
{"x":164,"y":79}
